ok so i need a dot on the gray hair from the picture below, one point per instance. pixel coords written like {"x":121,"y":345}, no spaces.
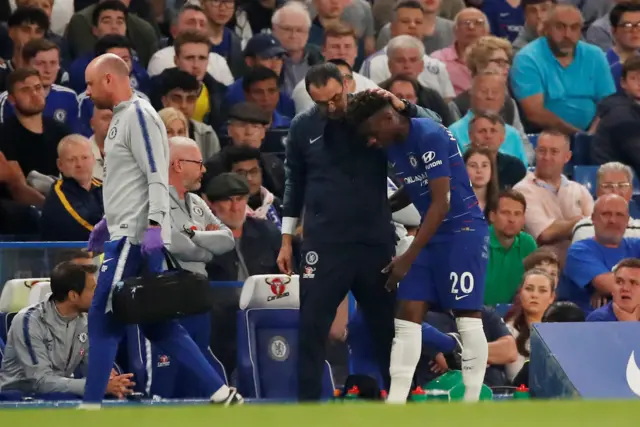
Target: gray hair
{"x":405,"y":42}
{"x":614,"y":167}
{"x":73,"y":139}
{"x":468,"y":9}
{"x":182,"y":142}
{"x":294,"y":6}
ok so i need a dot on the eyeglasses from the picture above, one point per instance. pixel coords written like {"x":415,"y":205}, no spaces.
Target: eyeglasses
{"x":293,"y":30}
{"x":225,"y":3}
{"x":468,"y":23}
{"x":251,"y":173}
{"x":615,"y":185}
{"x":324,"y":105}
{"x":500,"y":61}
{"x":198,"y":162}
{"x":630,"y":26}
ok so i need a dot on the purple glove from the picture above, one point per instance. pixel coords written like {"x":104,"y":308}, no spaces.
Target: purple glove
{"x":98,"y":236}
{"x":152,"y":241}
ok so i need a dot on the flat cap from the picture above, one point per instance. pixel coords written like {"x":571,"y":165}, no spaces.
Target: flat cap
{"x":226,"y":185}
{"x":250,"y":113}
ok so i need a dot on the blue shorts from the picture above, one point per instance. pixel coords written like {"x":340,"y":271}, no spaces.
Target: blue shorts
{"x":449,"y":275}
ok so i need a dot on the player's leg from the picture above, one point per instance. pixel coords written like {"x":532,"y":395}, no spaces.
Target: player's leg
{"x":120,"y":261}
{"x":468,"y":264}
{"x":326,"y":275}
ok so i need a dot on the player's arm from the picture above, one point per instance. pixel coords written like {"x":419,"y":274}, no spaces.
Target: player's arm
{"x":150,"y":149}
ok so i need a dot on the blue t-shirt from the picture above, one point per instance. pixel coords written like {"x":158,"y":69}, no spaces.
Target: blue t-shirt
{"x":572,"y":93}
{"x":235,"y":95}
{"x":587,"y":259}
{"x":616,"y":68}
{"x":505,"y":21}
{"x":603,"y":314}
{"x":61,"y":105}
{"x":222,"y":49}
{"x":430,"y":151}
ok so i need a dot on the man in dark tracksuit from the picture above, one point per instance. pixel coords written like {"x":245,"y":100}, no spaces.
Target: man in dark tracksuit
{"x":348,"y":235}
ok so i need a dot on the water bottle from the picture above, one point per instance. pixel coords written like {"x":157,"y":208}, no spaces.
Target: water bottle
{"x":522,"y":392}
{"x":353,"y":393}
{"x":418,"y":395}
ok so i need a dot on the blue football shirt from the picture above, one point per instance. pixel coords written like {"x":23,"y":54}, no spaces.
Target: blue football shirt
{"x":61,"y":104}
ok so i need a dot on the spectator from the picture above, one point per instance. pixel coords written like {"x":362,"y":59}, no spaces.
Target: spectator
{"x":600,"y":32}
{"x":42,"y":356}
{"x":563,"y":311}
{"x":437,"y":31}
{"x":75,"y":205}
{"x":191,"y":18}
{"x":616,"y":137}
{"x":470,"y":25}
{"x":89,"y":24}
{"x":487,"y":130}
{"x":536,"y":294}
{"x":28,"y":137}
{"x":261,"y":86}
{"x":180,"y":91}
{"x":587,"y":279}
{"x":60,"y":103}
{"x":545,"y":260}
{"x":175,"y":122}
{"x":535,"y":13}
{"x":263,"y":50}
{"x":554,"y":204}
{"x":339,"y":44}
{"x":100,"y":121}
{"x":192,"y":56}
{"x":480,"y":167}
{"x":561,"y":97}
{"x":613,"y":178}
{"x":625,"y":305}
{"x":245,"y":161}
{"x":251,"y":17}
{"x":291,"y":24}
{"x":247,"y":127}
{"x":405,"y":55}
{"x":405,"y":87}
{"x":224,"y":42}
{"x":624,"y":19}
{"x":487,"y":94}
{"x":47,"y":7}
{"x":508,"y":246}
{"x":505,"y":19}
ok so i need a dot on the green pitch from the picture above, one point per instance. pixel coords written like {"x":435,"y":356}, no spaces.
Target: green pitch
{"x":488,"y":414}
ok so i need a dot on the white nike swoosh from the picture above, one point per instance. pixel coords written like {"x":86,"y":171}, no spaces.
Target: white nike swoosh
{"x":458,"y":297}
{"x":107,"y":260}
{"x":311,"y":141}
{"x":633,"y":374}
{"x":502,"y":15}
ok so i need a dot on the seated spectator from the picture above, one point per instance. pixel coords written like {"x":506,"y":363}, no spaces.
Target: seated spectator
{"x":536,"y":294}
{"x":29,"y":138}
{"x":554,"y":204}
{"x":545,"y":260}
{"x":48,"y":6}
{"x":470,"y":25}
{"x":100,"y":121}
{"x":245,"y":161}
{"x":75,"y":205}
{"x":247,"y":127}
{"x":175,"y":122}
{"x":405,"y":87}
{"x":487,"y":95}
{"x":83,"y":33}
{"x":261,"y":86}
{"x":51,"y":342}
{"x":405,"y":55}
{"x":535,"y":13}
{"x":191,"y":18}
{"x":600,"y":32}
{"x":505,"y":19}
{"x":340,"y":44}
{"x":615,"y":139}
{"x":508,"y":246}
{"x":587,"y":279}
{"x":180,"y":91}
{"x":613,"y":178}
{"x":192,"y":56}
{"x":224,"y":41}
{"x":625,"y":304}
{"x":290,"y":25}
{"x":624,"y":18}
{"x":61,"y":103}
{"x":263,"y":50}
{"x":247,"y":18}
{"x":116,"y":44}
{"x":480,"y":168}
{"x":487,"y":130}
{"x":561,"y":97}
{"x":437,"y":30}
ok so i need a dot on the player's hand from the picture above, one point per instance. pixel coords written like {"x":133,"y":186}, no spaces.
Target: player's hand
{"x":394,"y":100}
{"x":212,"y":227}
{"x":439,"y":364}
{"x":285,"y":259}
{"x":397,"y":269}
{"x":120,"y":385}
{"x":152,"y":241}
{"x":598,"y":300}
{"x":98,"y":236}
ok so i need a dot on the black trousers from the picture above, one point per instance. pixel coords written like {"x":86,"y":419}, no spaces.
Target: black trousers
{"x":328,"y":272}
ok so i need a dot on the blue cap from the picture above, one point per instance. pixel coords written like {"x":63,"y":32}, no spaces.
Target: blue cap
{"x":264,"y":46}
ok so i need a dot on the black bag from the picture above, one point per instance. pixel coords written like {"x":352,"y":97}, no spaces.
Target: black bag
{"x":154,"y":297}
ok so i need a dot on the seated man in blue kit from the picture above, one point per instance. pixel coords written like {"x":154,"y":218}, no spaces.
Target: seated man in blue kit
{"x":625,"y":306}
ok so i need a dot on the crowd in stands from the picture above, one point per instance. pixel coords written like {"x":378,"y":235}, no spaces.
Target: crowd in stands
{"x":534,"y":91}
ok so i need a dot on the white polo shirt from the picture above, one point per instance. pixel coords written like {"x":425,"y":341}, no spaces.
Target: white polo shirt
{"x":165,"y":58}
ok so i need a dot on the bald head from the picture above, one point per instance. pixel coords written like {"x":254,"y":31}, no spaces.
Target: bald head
{"x":110,"y":63}
{"x":186,"y":169}
{"x":610,"y":219}
{"x":181,"y":145}
{"x":561,"y":11}
{"x":609,"y":202}
{"x":107,"y":78}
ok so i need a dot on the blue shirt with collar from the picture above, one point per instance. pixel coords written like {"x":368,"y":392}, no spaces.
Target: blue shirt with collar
{"x":573,"y":92}
{"x":235,"y":95}
{"x":603,"y":314}
{"x":61,"y":105}
{"x":616,"y":68}
{"x":512,"y":144}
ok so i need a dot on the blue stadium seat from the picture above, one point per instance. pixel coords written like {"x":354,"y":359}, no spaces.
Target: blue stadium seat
{"x":268,"y":354}
{"x":587,"y":176}
{"x":581,"y":148}
{"x":533,"y":139}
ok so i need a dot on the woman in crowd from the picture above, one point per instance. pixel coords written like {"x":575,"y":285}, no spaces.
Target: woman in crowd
{"x":483,"y":177}
{"x":175,"y":122}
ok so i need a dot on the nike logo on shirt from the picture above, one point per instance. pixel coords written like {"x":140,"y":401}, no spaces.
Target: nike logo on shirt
{"x":311,"y":141}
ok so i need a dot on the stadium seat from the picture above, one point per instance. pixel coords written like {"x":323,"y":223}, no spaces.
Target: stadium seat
{"x":533,"y":139}
{"x":5,"y":324}
{"x":581,"y":148}
{"x":587,"y":176}
{"x":268,"y":339}
{"x":15,"y":293}
{"x":39,"y":292}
